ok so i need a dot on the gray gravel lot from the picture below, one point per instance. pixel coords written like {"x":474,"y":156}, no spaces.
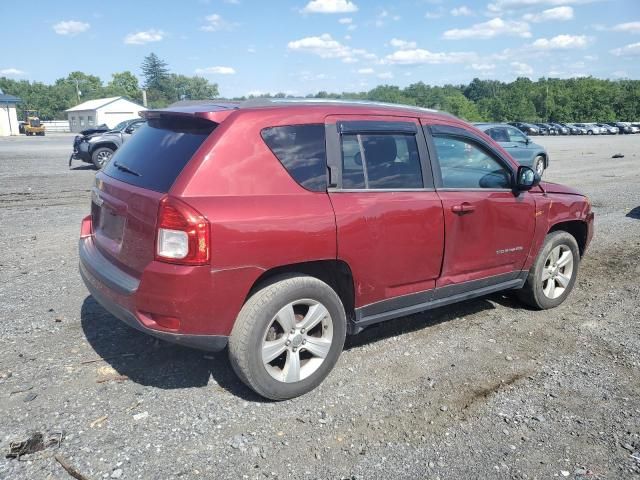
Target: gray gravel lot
{"x":484,"y":389}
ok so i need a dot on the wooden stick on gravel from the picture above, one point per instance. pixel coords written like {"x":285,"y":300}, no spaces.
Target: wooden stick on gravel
{"x":70,"y":470}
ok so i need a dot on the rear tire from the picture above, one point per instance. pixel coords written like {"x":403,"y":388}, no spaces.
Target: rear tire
{"x":554,"y":272}
{"x":101,"y":156}
{"x":272,"y":324}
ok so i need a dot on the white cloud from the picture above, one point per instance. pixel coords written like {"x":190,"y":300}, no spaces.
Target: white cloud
{"x":420,"y":56}
{"x":385,"y":75}
{"x":557,"y":13}
{"x":561,"y":42}
{"x":493,"y":28}
{"x":500,"y":6}
{"x":215,"y":23}
{"x":325,"y":46}
{"x":330,"y":6}
{"x":345,"y":20}
{"x":630,"y":27}
{"x":462,"y":11}
{"x":70,"y":27}
{"x":215,"y":71}
{"x":366,"y":71}
{"x":11,"y":72}
{"x":140,"y":38}
{"x":483,"y":67}
{"x":520,"y":68}
{"x":631,"y":50}
{"x":251,"y":50}
{"x":352,"y":27}
{"x":402,"y":44}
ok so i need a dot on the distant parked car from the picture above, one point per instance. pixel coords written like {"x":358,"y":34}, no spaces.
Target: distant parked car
{"x":590,"y":128}
{"x":581,"y":130}
{"x":608,"y":129}
{"x":573,"y":130}
{"x":561,"y":129}
{"x":526,"y":128}
{"x":519,"y":146}
{"x":542,"y":128}
{"x":635,"y":127}
{"x":551,"y":130}
{"x":623,"y":127}
{"x":97,"y":148}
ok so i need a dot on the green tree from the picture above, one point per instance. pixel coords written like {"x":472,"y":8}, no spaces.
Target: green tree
{"x":124,"y":84}
{"x":155,"y":72}
{"x":190,"y":88}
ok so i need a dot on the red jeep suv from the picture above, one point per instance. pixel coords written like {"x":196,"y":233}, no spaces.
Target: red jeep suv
{"x":277,"y":227}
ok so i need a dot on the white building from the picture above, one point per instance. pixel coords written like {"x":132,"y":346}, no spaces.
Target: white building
{"x":8,"y":117}
{"x":110,"y":111}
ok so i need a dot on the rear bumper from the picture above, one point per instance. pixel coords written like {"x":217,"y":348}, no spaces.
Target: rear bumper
{"x":116,"y":291}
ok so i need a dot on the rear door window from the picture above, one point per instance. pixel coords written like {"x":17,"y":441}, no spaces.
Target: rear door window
{"x":154,"y":157}
{"x":301,"y":150}
{"x":381,"y":161}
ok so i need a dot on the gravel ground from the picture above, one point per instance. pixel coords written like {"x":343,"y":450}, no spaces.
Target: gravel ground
{"x":484,"y":389}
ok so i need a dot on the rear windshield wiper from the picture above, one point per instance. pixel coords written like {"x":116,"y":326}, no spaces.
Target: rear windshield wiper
{"x":124,"y":168}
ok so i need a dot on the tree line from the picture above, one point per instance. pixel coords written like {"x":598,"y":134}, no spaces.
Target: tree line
{"x":584,"y":99}
{"x":163,"y":88}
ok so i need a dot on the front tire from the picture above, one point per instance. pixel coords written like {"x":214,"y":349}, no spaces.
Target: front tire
{"x":288,"y":337}
{"x":554,"y":272}
{"x":538,"y":165}
{"x":101,"y":156}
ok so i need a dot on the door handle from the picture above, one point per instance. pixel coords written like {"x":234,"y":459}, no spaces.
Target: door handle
{"x":463,"y":208}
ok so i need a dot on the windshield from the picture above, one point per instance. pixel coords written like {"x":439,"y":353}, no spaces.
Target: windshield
{"x":121,"y":125}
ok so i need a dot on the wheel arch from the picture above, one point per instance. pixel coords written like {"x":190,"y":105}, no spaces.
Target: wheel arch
{"x":110,"y":145}
{"x":576,"y":228}
{"x":335,"y":273}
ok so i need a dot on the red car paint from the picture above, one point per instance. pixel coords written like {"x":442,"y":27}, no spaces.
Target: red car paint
{"x":394,"y":243}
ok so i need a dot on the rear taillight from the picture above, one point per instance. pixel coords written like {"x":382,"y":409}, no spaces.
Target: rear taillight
{"x":182,"y":234}
{"x":86,"y":227}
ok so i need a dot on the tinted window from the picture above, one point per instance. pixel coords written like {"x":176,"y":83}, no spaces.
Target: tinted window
{"x":158,"y":151}
{"x":499,"y":134}
{"x":465,"y":165}
{"x":379,"y":161}
{"x":301,"y":150}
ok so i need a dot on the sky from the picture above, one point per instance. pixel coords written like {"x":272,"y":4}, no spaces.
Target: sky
{"x":304,"y":46}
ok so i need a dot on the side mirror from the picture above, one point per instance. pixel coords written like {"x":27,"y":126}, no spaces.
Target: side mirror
{"x":526,"y":178}
{"x":128,"y":130}
{"x":527,"y":140}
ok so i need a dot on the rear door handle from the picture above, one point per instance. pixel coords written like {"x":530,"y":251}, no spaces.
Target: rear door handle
{"x":463,"y":208}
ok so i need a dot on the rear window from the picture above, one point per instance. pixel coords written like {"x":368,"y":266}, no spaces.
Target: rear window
{"x":154,"y":156}
{"x":301,"y":150}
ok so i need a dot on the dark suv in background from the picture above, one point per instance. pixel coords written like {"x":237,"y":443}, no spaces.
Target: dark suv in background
{"x":275,"y":228}
{"x":97,"y":147}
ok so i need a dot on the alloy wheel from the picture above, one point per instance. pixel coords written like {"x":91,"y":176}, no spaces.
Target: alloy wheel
{"x":103,"y":157}
{"x":557,"y":271}
{"x":297,"y":340}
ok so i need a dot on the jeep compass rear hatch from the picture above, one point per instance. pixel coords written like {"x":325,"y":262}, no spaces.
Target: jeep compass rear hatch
{"x":127,"y":194}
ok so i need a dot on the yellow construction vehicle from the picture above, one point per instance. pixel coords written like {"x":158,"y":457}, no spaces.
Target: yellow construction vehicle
{"x":32,"y":124}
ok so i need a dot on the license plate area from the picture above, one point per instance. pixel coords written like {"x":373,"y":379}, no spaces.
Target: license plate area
{"x":110,"y":224}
